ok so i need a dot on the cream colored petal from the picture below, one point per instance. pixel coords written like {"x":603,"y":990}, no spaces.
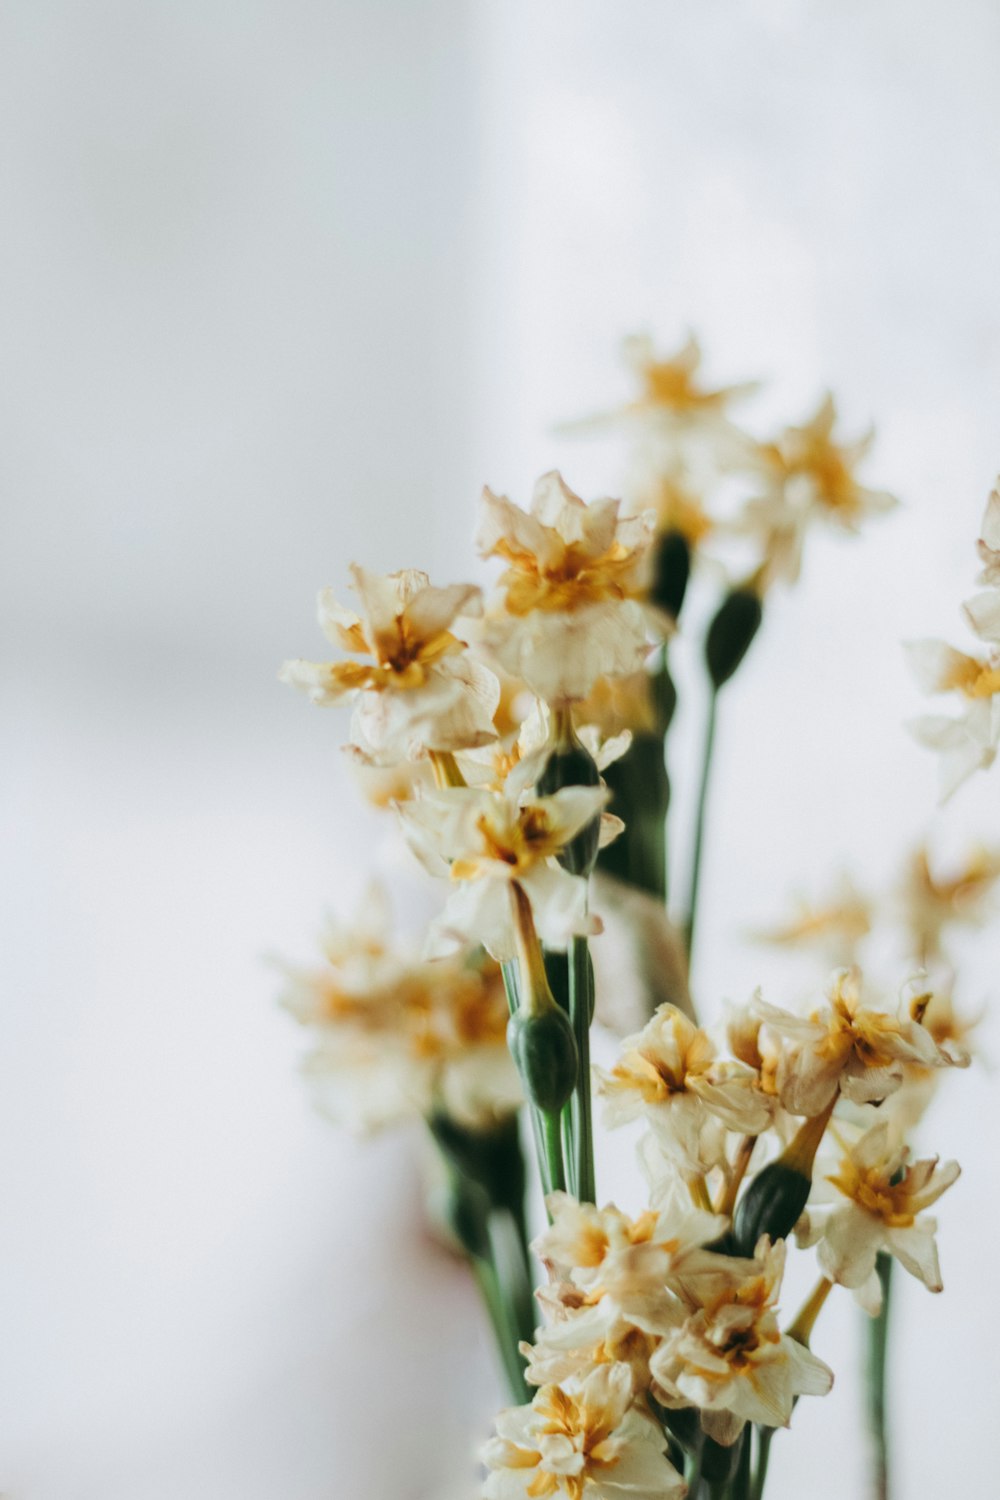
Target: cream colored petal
{"x":432,"y":611}
{"x":982,"y":612}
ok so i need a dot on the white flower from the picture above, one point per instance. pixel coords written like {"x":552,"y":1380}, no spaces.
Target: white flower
{"x":422,"y":690}
{"x":884,"y":1198}
{"x":730,"y":1359}
{"x":395,"y":1037}
{"x":846,"y":1046}
{"x":587,"y":1442}
{"x":624,"y":1264}
{"x":488,"y":840}
{"x":835,"y":926}
{"x":931,"y":902}
{"x":571,"y":590}
{"x":670,"y":1076}
{"x":808,"y":475}
{"x":967,"y":742}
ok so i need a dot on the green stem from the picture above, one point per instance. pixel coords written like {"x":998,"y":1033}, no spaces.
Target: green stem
{"x":740,"y":1486}
{"x":878,"y":1344}
{"x":581,"y":1003}
{"x":504,"y":1330}
{"x":699,"y":827}
{"x":764,"y":1436}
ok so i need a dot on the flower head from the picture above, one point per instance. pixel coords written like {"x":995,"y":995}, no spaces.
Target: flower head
{"x":420,"y":689}
{"x":932,"y":902}
{"x":570,"y":592}
{"x":487,"y":841}
{"x":880,"y":1196}
{"x":584,"y":1441}
{"x":808,"y":475}
{"x":989,"y":540}
{"x":835,"y":926}
{"x":395,"y":1037}
{"x":730,"y":1358}
{"x":968,"y":741}
{"x":848,"y":1046}
{"x":669,"y":1075}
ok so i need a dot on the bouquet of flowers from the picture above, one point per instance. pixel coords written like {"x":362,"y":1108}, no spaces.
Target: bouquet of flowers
{"x":523,"y":740}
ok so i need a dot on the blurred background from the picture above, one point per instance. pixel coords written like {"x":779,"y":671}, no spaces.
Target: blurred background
{"x":281,"y":286}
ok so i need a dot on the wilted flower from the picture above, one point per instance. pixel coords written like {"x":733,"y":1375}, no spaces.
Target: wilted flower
{"x":421,"y":690}
{"x":845,"y":1045}
{"x":931,"y":902}
{"x":967,"y":742}
{"x":836,"y":927}
{"x":989,"y":540}
{"x":571,"y":590}
{"x":396,"y":1037}
{"x":488,"y":841}
{"x":584,"y":1442}
{"x":730,"y":1359}
{"x":884,"y":1197}
{"x":669,"y":1074}
{"x":808,"y":475}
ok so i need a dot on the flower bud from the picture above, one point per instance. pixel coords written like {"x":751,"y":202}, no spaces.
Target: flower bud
{"x":671,"y":570}
{"x":542,"y":1045}
{"x":731,"y":632}
{"x":774,"y":1200}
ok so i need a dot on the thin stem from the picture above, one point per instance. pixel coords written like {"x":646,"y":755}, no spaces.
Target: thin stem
{"x":699,"y":827}
{"x":801,"y":1329}
{"x":727,"y":1198}
{"x":504,"y":1331}
{"x":581,"y":1124}
{"x":764,"y":1436}
{"x":878,"y":1344}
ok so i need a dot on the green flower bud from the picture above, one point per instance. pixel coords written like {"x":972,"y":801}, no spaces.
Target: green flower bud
{"x":671,"y":570}
{"x":771,"y":1205}
{"x":731,"y":632}
{"x":542,"y":1045}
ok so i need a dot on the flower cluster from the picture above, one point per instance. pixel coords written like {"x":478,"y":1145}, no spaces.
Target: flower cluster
{"x":966,"y":741}
{"x":676,"y":1310}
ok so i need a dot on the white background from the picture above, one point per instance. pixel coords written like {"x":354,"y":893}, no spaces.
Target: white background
{"x":282,"y":285}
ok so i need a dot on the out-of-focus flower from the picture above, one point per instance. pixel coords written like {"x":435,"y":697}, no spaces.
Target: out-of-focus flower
{"x":489,"y":840}
{"x":571,"y":591}
{"x":670,"y":385}
{"x":845,"y":1045}
{"x":930,"y":902}
{"x":808,"y":475}
{"x":669,"y":1075}
{"x":730,"y":1359}
{"x":585,"y":1441}
{"x":968,"y":741}
{"x":396,"y":1037}
{"x":836,"y":927}
{"x":884,"y":1197}
{"x":421,"y":690}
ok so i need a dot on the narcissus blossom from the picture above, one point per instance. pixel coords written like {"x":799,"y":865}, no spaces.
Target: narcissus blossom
{"x":931,"y":902}
{"x":421,"y":690}
{"x":885,"y":1198}
{"x":486,"y":841}
{"x":571,"y":592}
{"x":848,"y":1046}
{"x":730,"y":1358}
{"x":808,"y":475}
{"x":395,"y":1037}
{"x":584,"y":1441}
{"x":835,"y":926}
{"x":669,"y":1074}
{"x":968,"y":741}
